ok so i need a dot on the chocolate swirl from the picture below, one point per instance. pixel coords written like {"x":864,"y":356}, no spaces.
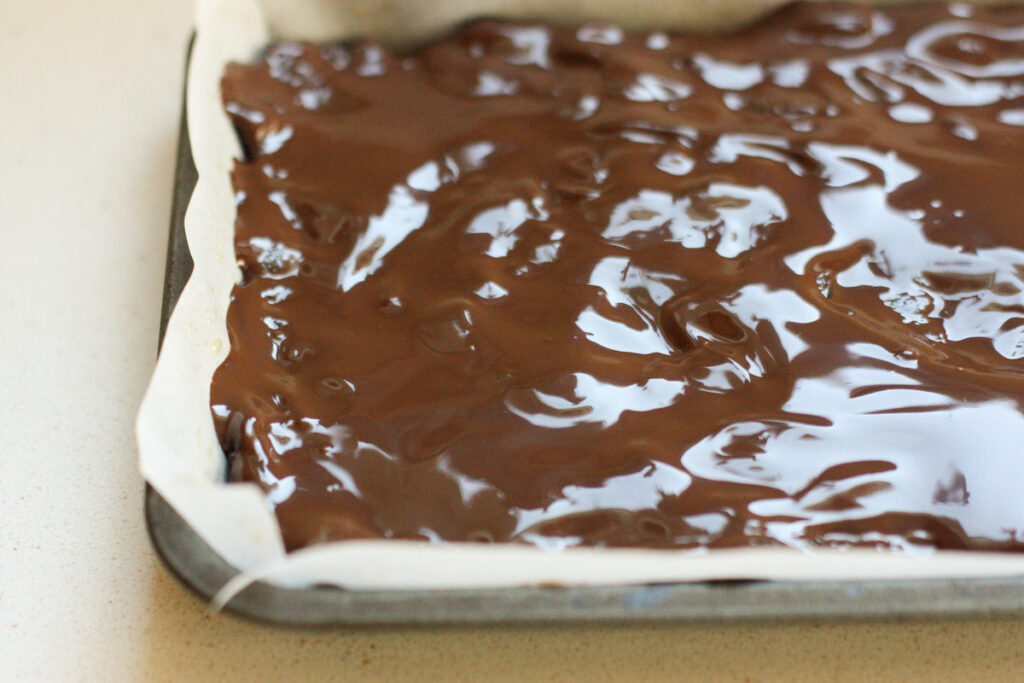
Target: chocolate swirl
{"x":575,"y":286}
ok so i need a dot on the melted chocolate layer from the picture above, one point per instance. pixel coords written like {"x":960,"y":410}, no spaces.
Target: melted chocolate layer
{"x":587,"y":287}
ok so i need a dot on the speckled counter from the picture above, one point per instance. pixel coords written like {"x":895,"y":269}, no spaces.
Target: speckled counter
{"x":89,"y":118}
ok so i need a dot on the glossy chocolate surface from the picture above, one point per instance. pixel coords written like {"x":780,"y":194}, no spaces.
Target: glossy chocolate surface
{"x":578,"y":286}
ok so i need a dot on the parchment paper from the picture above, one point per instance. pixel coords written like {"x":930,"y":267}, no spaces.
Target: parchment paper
{"x":179,"y":454}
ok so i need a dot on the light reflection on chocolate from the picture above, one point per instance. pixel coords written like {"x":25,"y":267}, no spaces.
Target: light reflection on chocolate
{"x":583,"y":286}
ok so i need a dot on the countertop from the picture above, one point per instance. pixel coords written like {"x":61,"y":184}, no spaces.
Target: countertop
{"x":88,"y":123}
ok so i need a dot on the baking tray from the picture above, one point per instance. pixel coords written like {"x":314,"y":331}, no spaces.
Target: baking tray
{"x":199,"y":568}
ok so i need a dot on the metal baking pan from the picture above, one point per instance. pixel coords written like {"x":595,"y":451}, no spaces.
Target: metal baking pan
{"x":199,"y":568}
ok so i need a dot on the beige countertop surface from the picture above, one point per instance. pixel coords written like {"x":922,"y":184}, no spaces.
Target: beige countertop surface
{"x":89,"y":101}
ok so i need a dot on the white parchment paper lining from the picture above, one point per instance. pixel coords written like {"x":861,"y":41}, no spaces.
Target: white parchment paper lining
{"x":179,"y":453}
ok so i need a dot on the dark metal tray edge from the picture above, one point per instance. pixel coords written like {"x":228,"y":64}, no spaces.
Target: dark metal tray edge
{"x":200,"y":569}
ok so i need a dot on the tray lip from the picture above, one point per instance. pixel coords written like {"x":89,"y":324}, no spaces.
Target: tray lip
{"x":203,"y":572}
{"x":197,"y":567}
